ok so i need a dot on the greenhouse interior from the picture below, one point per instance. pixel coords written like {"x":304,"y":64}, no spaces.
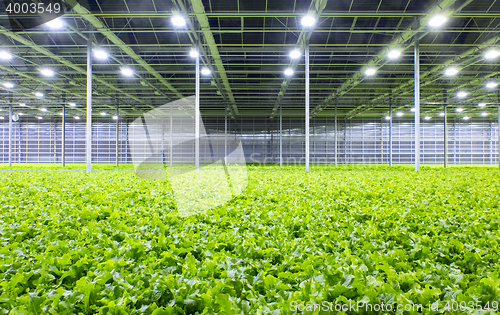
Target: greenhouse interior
{"x":237,"y":157}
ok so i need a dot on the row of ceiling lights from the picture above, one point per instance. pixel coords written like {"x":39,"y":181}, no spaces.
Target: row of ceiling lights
{"x":306,"y":21}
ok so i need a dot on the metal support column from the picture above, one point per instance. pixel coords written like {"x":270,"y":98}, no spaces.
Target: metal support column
{"x":171,"y":134}
{"x":417,"y":104}
{"x":10,"y":133}
{"x":281,"y":137}
{"x":197,"y":118}
{"x":63,"y":139}
{"x":390,"y":133}
{"x":445,"y":136}
{"x":307,"y":106}
{"x":117,"y":133}
{"x":225,"y":135}
{"x":88,"y":132}
{"x":498,"y":135}
{"x":335,"y":137}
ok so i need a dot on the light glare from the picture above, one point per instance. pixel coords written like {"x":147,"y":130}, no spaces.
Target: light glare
{"x":461,"y":94}
{"x":8,"y":85}
{"x":4,"y":55}
{"x":394,"y":54}
{"x":370,"y":71}
{"x":289,"y":72}
{"x":178,"y":20}
{"x":127,"y":72}
{"x":399,"y":114}
{"x":459,"y":110}
{"x":491,"y":85}
{"x":194,"y":53}
{"x":100,"y":54}
{"x":481,"y":104}
{"x":451,"y":71}
{"x":295,"y":54}
{"x":39,"y":94}
{"x":55,"y":24}
{"x":491,"y":54}
{"x":484,"y":114}
{"x":205,"y":71}
{"x":437,"y":20}
{"x":47,"y":72}
{"x":308,"y":20}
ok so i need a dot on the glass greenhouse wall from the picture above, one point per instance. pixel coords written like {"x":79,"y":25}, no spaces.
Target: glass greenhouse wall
{"x":359,"y":141}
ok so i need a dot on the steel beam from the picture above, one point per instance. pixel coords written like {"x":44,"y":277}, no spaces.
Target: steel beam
{"x":416,"y":27}
{"x":197,"y":118}
{"x":199,"y":10}
{"x":116,"y":40}
{"x":417,"y":105}
{"x":316,"y":8}
{"x":307,"y":106}
{"x":88,"y":132}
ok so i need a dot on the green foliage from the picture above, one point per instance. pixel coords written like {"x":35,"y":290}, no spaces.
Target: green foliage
{"x":110,"y":243}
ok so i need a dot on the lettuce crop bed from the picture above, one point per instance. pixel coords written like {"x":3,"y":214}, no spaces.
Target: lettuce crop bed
{"x":110,"y":243}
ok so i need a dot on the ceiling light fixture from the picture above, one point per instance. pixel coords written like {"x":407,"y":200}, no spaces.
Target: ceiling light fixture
{"x":289,"y":72}
{"x":437,"y":21}
{"x":205,"y":71}
{"x":394,"y":54}
{"x":43,"y":109}
{"x":55,"y":24}
{"x":461,"y":94}
{"x":47,"y":72}
{"x":127,"y":72}
{"x":101,"y":54}
{"x":399,"y":114}
{"x":72,"y":104}
{"x":451,"y":71}
{"x":178,"y":21}
{"x":308,"y":21}
{"x":441,"y":114}
{"x":295,"y":54}
{"x":481,"y":104}
{"x":387,"y":117}
{"x":39,"y":94}
{"x":8,"y":85}
{"x":491,"y":54}
{"x":491,"y":85}
{"x":5,"y":55}
{"x":484,"y":114}
{"x":193,"y":53}
{"x":466,"y":117}
{"x":370,"y":71}
{"x":459,"y":110}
